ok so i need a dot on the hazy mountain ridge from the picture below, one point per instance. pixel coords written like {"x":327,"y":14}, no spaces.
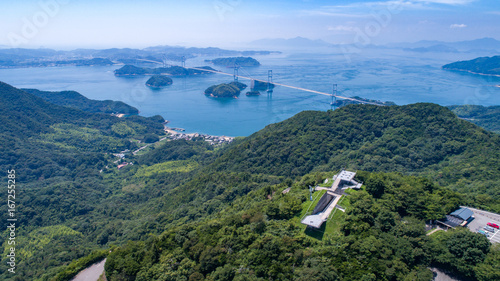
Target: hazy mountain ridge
{"x":18,"y":57}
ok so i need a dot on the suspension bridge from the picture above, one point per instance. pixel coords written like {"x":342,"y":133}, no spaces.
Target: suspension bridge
{"x":269,"y":81}
{"x":235,"y":75}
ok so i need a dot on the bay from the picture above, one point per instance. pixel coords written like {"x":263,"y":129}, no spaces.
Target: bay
{"x":380,"y":74}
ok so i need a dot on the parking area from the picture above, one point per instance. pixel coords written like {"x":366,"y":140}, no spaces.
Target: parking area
{"x":481,"y":218}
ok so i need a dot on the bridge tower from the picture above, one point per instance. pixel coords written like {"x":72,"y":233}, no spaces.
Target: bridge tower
{"x":235,"y":75}
{"x":334,"y":96}
{"x":183,"y":60}
{"x":269,"y":81}
{"x":164,"y":60}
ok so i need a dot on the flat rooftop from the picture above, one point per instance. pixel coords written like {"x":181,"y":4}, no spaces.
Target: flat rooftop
{"x":346,"y":175}
{"x":313,"y":220}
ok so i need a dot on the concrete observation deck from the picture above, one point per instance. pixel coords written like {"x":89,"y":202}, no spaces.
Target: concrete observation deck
{"x":330,"y":199}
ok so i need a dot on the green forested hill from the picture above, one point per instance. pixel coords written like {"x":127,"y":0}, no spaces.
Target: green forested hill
{"x":221,"y":210}
{"x":259,"y":237}
{"x":424,"y":139}
{"x":381,"y":236}
{"x":41,"y":138}
{"x":57,"y":153}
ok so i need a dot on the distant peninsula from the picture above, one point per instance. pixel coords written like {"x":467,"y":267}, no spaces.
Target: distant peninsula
{"x":158,"y":81}
{"x":76,"y":100}
{"x":238,"y":61}
{"x":487,"y":117}
{"x":483,"y":66}
{"x":225,"y":90}
{"x":20,"y":57}
{"x":131,"y":70}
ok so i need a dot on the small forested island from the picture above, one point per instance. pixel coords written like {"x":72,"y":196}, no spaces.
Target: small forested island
{"x":230,"y":90}
{"x":483,"y":65}
{"x":253,"y":93}
{"x":158,"y":81}
{"x":238,"y":61}
{"x":131,"y":70}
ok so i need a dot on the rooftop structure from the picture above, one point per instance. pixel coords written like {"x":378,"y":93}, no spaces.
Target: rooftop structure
{"x":346,"y":175}
{"x":462,"y":213}
{"x":345,"y":179}
{"x":460,"y":217}
{"x":329,"y":200}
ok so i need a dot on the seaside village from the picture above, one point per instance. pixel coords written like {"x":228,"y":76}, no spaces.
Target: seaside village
{"x":177,"y":134}
{"x":480,"y":221}
{"x":172,"y":134}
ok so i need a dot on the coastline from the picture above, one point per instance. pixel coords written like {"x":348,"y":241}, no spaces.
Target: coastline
{"x":472,"y":72}
{"x":174,"y":134}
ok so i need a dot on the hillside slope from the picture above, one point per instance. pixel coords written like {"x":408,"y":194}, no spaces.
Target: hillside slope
{"x":487,"y":117}
{"x":73,"y":208}
{"x":424,"y":139}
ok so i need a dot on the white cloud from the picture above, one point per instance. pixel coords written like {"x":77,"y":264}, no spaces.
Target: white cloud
{"x":456,"y":25}
{"x":360,"y":8}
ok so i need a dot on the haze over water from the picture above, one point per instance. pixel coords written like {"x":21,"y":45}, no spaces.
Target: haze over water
{"x":386,"y":75}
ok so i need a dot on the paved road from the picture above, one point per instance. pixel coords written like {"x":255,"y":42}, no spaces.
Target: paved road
{"x":441,"y":276}
{"x":91,"y":273}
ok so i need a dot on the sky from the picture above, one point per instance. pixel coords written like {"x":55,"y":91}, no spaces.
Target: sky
{"x":69,"y":24}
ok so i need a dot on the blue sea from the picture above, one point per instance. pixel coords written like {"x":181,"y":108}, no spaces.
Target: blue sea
{"x":380,"y":74}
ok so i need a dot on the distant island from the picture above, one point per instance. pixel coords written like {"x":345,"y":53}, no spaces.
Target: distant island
{"x":483,"y":66}
{"x":434,"y":48}
{"x":229,"y":90}
{"x":231,"y":62}
{"x":158,"y":81}
{"x":9,"y":63}
{"x":76,"y":100}
{"x":344,"y":102}
{"x":131,"y":70}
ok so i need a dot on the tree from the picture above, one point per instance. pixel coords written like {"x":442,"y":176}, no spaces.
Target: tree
{"x":375,"y":185}
{"x":488,"y":270}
